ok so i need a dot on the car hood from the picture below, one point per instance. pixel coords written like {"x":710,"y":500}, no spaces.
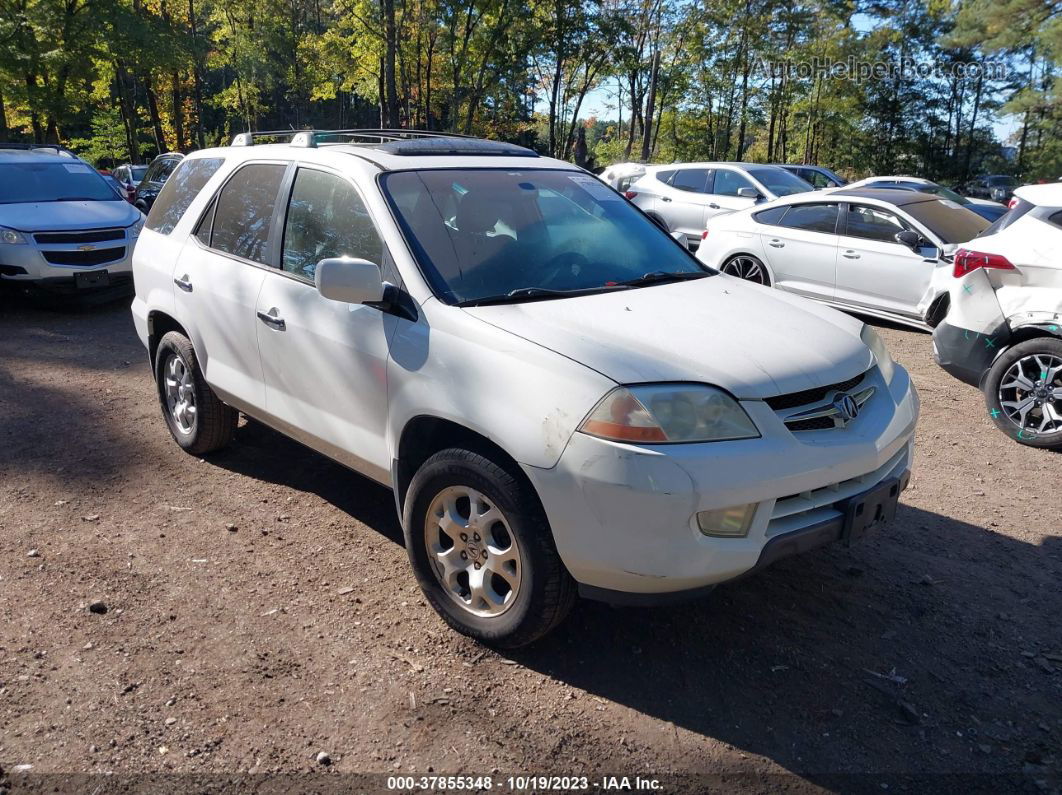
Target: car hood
{"x":753,"y":341}
{"x":63,"y":216}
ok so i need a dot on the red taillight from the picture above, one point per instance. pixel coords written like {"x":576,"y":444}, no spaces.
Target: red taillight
{"x":1012,"y":203}
{"x":704,"y":235}
{"x":629,"y":194}
{"x":966,"y":261}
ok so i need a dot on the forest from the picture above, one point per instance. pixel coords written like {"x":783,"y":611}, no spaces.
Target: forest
{"x":862,"y":86}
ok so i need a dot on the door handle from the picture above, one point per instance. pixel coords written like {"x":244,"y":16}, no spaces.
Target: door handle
{"x":664,"y":199}
{"x":776,"y":244}
{"x":714,"y":206}
{"x":272,"y":320}
{"x":851,"y":255}
{"x":183,"y":283}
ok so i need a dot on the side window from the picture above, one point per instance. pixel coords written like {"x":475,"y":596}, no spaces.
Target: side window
{"x":244,"y":210}
{"x":812,"y":217}
{"x":206,"y":224}
{"x":815,"y":178}
{"x":771,"y":216}
{"x":326,"y":218}
{"x":1056,"y":219}
{"x":665,"y":176}
{"x":694,"y":180}
{"x":727,"y":182}
{"x":179,"y":192}
{"x":873,"y":223}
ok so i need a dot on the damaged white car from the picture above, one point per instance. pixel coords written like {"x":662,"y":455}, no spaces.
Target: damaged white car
{"x":1003,"y":332}
{"x":885,"y":253}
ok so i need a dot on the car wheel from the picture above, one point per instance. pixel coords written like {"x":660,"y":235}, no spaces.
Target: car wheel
{"x":1023,"y":392}
{"x":482,"y":550}
{"x":747,"y":267}
{"x":198,"y":420}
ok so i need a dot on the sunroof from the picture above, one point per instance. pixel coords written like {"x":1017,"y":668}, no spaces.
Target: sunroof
{"x":454,"y":146}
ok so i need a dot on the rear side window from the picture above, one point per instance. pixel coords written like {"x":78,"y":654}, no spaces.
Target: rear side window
{"x":771,"y":216}
{"x":326,"y":218}
{"x":179,"y":192}
{"x":1056,"y":219}
{"x":812,"y":217}
{"x":244,"y":210}
{"x":665,"y":176}
{"x":694,"y":180}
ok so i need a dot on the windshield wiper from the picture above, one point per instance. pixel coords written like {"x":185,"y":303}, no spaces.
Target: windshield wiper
{"x":654,"y":277}
{"x":536,"y":294}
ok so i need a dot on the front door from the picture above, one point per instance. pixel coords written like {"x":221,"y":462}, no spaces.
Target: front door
{"x":802,"y":249}
{"x":324,"y":362}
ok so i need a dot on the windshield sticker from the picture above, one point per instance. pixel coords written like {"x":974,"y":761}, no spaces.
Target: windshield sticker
{"x":77,"y":168}
{"x":595,"y":187}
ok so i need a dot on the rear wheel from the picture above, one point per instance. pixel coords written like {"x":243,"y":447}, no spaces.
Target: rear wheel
{"x":747,"y":267}
{"x":198,"y":421}
{"x":482,"y":550}
{"x":1023,"y":392}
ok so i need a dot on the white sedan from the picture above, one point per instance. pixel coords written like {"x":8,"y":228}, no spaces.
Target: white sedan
{"x":878,"y":252}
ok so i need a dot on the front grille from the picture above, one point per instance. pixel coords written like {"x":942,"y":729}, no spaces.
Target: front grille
{"x":814,"y":424}
{"x":95,"y":257}
{"x":794,"y":399}
{"x":95,"y":236}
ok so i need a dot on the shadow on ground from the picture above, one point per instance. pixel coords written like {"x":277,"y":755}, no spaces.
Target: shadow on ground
{"x":894,"y":656}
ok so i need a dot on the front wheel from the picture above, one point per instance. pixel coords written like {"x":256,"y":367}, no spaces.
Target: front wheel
{"x":1023,"y":392}
{"x":482,"y":550}
{"x":747,"y":267}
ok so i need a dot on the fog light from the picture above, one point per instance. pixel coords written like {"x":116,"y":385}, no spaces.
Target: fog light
{"x":731,"y":522}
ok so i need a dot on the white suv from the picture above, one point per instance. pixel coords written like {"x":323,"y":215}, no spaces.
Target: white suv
{"x":562,"y":398}
{"x":1003,"y":331}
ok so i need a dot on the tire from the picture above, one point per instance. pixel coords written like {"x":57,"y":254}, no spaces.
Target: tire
{"x":748,"y":268}
{"x":210,"y":424}
{"x":1005,"y":398}
{"x":540,"y":590}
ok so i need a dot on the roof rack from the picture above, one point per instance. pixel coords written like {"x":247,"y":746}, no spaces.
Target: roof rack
{"x":310,"y":138}
{"x":59,"y":150}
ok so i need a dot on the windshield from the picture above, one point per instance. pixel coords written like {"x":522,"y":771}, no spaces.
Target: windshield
{"x":138,"y":172}
{"x":52,"y":182}
{"x":1002,"y":182}
{"x":779,"y":181}
{"x":950,"y":222}
{"x":481,"y":233}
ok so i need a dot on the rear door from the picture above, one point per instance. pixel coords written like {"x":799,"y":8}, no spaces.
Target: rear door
{"x":802,"y":248}
{"x":325,"y":362}
{"x":219,"y":275}
{"x":683,"y":201}
{"x":876,"y":271}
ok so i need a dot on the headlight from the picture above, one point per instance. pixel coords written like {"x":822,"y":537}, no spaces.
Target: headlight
{"x":881,"y":354}
{"x":661,"y":413}
{"x":11,"y":237}
{"x":134,"y":230}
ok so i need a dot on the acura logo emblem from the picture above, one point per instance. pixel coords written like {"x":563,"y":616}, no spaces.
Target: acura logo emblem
{"x":846,"y":407}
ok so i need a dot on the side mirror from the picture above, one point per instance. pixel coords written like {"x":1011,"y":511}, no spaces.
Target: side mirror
{"x":680,"y":238}
{"x":748,"y":193}
{"x":909,"y":238}
{"x":353,"y":281}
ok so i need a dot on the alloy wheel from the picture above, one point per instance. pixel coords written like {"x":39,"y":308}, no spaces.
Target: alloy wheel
{"x":473,"y":552}
{"x":1030,"y":393}
{"x":748,"y":268}
{"x":180,"y":393}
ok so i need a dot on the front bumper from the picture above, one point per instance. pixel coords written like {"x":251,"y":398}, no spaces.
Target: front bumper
{"x":624,"y":516}
{"x":55,"y":266}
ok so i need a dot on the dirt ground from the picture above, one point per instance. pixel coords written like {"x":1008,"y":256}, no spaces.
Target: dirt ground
{"x":260,"y":610}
